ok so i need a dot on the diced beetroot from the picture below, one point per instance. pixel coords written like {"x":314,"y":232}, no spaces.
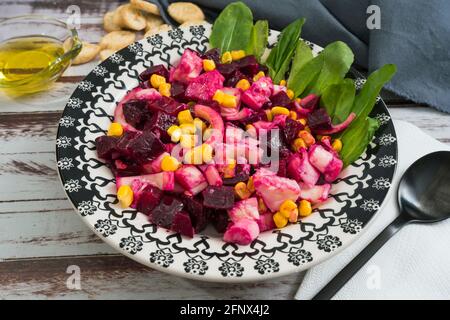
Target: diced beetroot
{"x":248,"y":66}
{"x":157,"y":69}
{"x":161,"y":180}
{"x":259,"y":115}
{"x":338,"y":127}
{"x":189,"y":67}
{"x":182,"y":224}
{"x":279,"y":120}
{"x":140,"y":147}
{"x":258,"y":93}
{"x":315,"y":194}
{"x":242,"y":232}
{"x":300,"y":169}
{"x":264,"y":125}
{"x":265,"y":222}
{"x":167,"y":105}
{"x":291,"y":129}
{"x":310,"y":102}
{"x":243,"y":114}
{"x":280,"y":99}
{"x":204,"y":86}
{"x":191,"y":179}
{"x":197,"y":212}
{"x":212,"y":54}
{"x":227,"y":69}
{"x":212,"y":176}
{"x":242,"y":173}
{"x":319,"y":120}
{"x":219,"y":219}
{"x":218,"y":197}
{"x":160,"y":122}
{"x":234,"y":78}
{"x":277,"y":89}
{"x":136,"y":113}
{"x":148,"y":199}
{"x":178,"y":91}
{"x":325,"y":161}
{"x":214,"y":119}
{"x":118,"y":112}
{"x":282,"y":168}
{"x":244,"y":209}
{"x":164,"y":213}
{"x":106,"y":146}
{"x":275,"y":190}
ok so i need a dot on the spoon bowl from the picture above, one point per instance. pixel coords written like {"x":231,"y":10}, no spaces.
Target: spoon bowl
{"x":424,"y":190}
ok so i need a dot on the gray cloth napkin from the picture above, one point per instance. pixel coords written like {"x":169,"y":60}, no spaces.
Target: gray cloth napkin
{"x":415,"y":35}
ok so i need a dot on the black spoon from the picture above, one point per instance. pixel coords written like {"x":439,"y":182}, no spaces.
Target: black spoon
{"x":423,"y":196}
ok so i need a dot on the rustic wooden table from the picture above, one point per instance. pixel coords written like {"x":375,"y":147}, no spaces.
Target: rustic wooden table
{"x":41,"y":235}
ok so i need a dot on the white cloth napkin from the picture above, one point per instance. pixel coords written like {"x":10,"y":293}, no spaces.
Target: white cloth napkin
{"x":414,"y":264}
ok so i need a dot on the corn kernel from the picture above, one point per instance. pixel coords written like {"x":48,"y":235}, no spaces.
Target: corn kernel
{"x":207,"y":153}
{"x":237,"y":54}
{"x":229,"y":101}
{"x":218,"y":96}
{"x":269,"y":115}
{"x":293,"y":217}
{"x":251,"y":131}
{"x":262,"y":208}
{"x":199,"y":124}
{"x":193,"y":156}
{"x":242,"y":191}
{"x":187,"y":141}
{"x":250,"y":185}
{"x":305,"y":208}
{"x":298,"y":144}
{"x":279,"y":110}
{"x":307,"y":129}
{"x":280,"y":220}
{"x":228,"y":171}
{"x":208,"y":65}
{"x":125,"y":196}
{"x":226,"y":57}
{"x":337,"y":145}
{"x":287,"y":207}
{"x":283,"y":83}
{"x":164,"y":89}
{"x":174,"y":132}
{"x":293,"y":115}
{"x":302,"y":121}
{"x":185,"y":117}
{"x":207,"y":134}
{"x":187,"y":128}
{"x":259,"y":75}
{"x":169,"y":163}
{"x":307,"y":137}
{"x":156,"y":80}
{"x":243,"y":84}
{"x":115,"y":129}
{"x":290,"y":93}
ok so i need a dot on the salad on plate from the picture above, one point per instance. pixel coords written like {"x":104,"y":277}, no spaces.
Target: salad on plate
{"x":243,"y":137}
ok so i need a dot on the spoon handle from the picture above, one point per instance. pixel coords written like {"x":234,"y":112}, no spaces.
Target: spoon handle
{"x":353,"y":266}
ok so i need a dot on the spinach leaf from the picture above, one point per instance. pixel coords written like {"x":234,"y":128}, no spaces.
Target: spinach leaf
{"x":337,"y":59}
{"x":232,"y":28}
{"x":280,"y":57}
{"x":356,"y":138}
{"x":303,"y":54}
{"x":306,"y":75}
{"x":258,"y":39}
{"x":338,"y":99}
{"x":365,"y":100}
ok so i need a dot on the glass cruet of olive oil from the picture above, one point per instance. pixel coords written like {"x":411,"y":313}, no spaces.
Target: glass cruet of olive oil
{"x":34,"y":52}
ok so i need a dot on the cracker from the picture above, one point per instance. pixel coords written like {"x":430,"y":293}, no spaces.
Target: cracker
{"x":161,"y":28}
{"x":128,"y":17}
{"x":106,"y":53}
{"x":88,"y":52}
{"x":145,"y":6}
{"x":185,"y":11}
{"x":117,"y":40}
{"x":152,"y":21}
{"x":108,"y":23}
{"x":192,"y":23}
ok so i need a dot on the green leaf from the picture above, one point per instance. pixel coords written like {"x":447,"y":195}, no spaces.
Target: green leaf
{"x":303,"y":54}
{"x":306,"y":75}
{"x":232,"y":28}
{"x":356,"y":139}
{"x":365,"y":100}
{"x":338,"y":99}
{"x":258,"y":39}
{"x":337,"y":59}
{"x":280,"y":57}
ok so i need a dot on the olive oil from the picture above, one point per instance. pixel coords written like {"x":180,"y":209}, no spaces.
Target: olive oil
{"x":27,"y":62}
